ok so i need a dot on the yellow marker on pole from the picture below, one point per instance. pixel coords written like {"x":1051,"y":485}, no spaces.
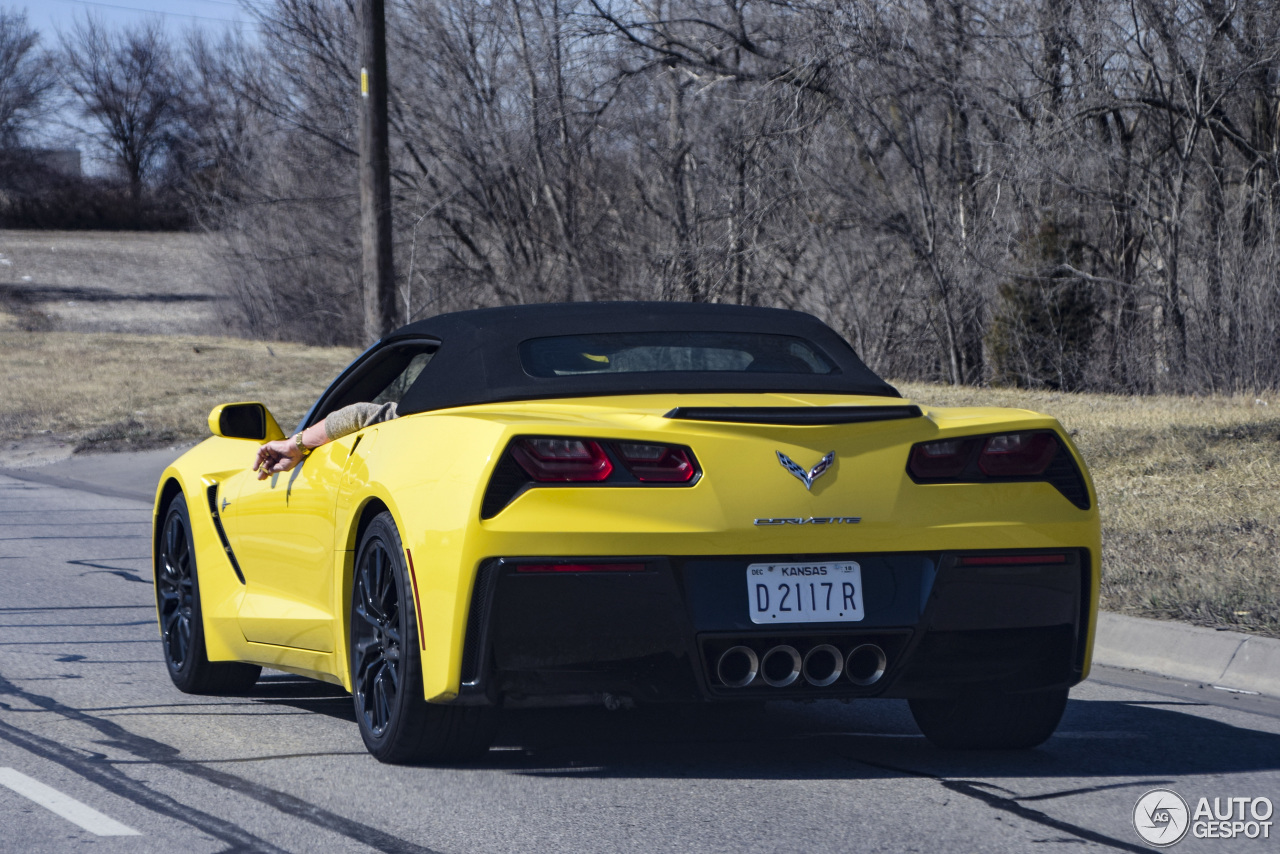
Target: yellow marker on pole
{"x":364,"y":83}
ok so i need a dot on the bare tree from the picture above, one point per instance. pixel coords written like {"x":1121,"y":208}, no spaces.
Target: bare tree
{"x":126,"y":85}
{"x":216,"y":152}
{"x":25,"y":76}
{"x":1073,"y":193}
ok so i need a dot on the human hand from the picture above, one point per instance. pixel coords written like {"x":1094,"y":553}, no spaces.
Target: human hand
{"x":280,"y":455}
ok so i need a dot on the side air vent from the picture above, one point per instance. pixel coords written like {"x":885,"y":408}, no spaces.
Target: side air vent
{"x":212,"y":494}
{"x":794,"y":415}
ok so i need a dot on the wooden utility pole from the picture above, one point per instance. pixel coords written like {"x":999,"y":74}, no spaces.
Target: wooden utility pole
{"x":375,"y":175}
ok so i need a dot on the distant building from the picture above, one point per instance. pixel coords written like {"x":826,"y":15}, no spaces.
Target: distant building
{"x":64,"y":161}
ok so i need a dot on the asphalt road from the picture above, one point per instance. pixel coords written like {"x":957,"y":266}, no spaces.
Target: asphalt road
{"x":87,"y":712}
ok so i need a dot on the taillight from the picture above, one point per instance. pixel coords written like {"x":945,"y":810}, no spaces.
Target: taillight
{"x":531,"y":461}
{"x":557,"y":460}
{"x":1029,"y":455}
{"x":656,"y":463}
{"x":1017,"y":454}
{"x":947,"y":458}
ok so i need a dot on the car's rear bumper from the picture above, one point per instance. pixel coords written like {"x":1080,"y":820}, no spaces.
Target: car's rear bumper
{"x":658,"y":635}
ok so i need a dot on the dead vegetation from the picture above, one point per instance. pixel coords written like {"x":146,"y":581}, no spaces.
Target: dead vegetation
{"x":94,"y":281}
{"x":113,"y":392}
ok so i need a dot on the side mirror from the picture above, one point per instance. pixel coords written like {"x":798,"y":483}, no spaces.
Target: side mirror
{"x":244,"y":421}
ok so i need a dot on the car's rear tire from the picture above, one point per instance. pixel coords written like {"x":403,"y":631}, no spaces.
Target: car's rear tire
{"x":991,"y":721}
{"x":181,"y":622}
{"x":397,"y":724}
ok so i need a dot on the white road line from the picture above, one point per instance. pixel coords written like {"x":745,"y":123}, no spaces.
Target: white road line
{"x":64,"y":805}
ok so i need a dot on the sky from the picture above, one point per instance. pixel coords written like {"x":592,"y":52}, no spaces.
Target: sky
{"x":48,"y":16}
{"x":61,"y":129}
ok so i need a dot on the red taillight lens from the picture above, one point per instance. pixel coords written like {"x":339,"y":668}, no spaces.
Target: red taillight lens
{"x":557,"y":460}
{"x":656,"y":463}
{"x":947,"y":458}
{"x":1032,"y":455}
{"x":1017,"y":454}
{"x":581,"y":567}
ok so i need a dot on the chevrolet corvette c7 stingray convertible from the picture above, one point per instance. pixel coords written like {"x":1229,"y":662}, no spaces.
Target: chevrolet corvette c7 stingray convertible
{"x":635,"y":503}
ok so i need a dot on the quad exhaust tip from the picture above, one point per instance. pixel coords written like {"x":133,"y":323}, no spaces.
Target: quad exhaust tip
{"x":780,"y":666}
{"x":865,"y":664}
{"x":822,"y":665}
{"x":738,"y":666}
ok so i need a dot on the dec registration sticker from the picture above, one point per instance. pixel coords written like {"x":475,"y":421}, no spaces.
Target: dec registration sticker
{"x":805,"y":592}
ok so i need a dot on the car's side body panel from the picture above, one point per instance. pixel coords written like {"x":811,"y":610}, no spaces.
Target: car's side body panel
{"x":288,"y":567}
{"x":430,"y":471}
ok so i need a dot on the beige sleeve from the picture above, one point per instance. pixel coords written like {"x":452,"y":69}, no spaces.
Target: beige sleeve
{"x":355,"y":417}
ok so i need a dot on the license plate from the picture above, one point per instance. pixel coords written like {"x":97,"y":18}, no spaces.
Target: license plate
{"x":805,"y":592}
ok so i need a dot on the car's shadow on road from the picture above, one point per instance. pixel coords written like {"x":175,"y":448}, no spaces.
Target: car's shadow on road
{"x":1158,"y":740}
{"x":309,"y":695}
{"x":870,"y":739}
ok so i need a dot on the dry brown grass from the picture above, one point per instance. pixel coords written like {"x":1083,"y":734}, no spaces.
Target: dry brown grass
{"x":102,"y":281}
{"x":1189,"y":491}
{"x":127,"y":392}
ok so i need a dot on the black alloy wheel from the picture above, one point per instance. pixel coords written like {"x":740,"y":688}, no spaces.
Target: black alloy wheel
{"x":181,"y":624}
{"x":396,"y":722}
{"x":376,"y":639}
{"x":175,"y":589}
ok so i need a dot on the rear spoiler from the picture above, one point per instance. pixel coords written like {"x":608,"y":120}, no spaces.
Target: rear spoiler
{"x":794,"y":415}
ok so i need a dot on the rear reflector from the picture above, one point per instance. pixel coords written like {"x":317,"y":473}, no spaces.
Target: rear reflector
{"x":1012,"y":560}
{"x":558,"y":460}
{"x":580,"y":567}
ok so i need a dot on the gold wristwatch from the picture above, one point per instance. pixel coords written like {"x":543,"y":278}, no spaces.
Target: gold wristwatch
{"x":297,"y":440}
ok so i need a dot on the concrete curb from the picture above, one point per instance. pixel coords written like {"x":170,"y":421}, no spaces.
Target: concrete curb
{"x":1226,"y":659}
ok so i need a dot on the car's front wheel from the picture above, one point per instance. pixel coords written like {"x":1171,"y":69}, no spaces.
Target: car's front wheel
{"x":181,"y":624}
{"x":991,"y":721}
{"x":398,"y":725}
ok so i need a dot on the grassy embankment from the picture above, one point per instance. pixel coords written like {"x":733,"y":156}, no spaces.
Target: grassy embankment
{"x":1189,"y":486}
{"x":117,"y":391}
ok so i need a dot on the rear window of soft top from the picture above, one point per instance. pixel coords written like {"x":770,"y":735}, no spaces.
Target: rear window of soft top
{"x":665,"y":352}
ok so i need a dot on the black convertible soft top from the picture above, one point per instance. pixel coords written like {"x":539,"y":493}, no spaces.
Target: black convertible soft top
{"x":479,"y":356}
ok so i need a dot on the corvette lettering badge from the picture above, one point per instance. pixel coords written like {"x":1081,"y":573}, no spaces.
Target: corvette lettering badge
{"x":812,"y":520}
{"x":807,"y":477}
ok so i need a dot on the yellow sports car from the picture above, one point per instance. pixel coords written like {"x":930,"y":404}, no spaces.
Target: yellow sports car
{"x":634,"y":503}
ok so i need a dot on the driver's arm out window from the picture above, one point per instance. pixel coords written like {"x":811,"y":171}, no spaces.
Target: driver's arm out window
{"x":371,"y":396}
